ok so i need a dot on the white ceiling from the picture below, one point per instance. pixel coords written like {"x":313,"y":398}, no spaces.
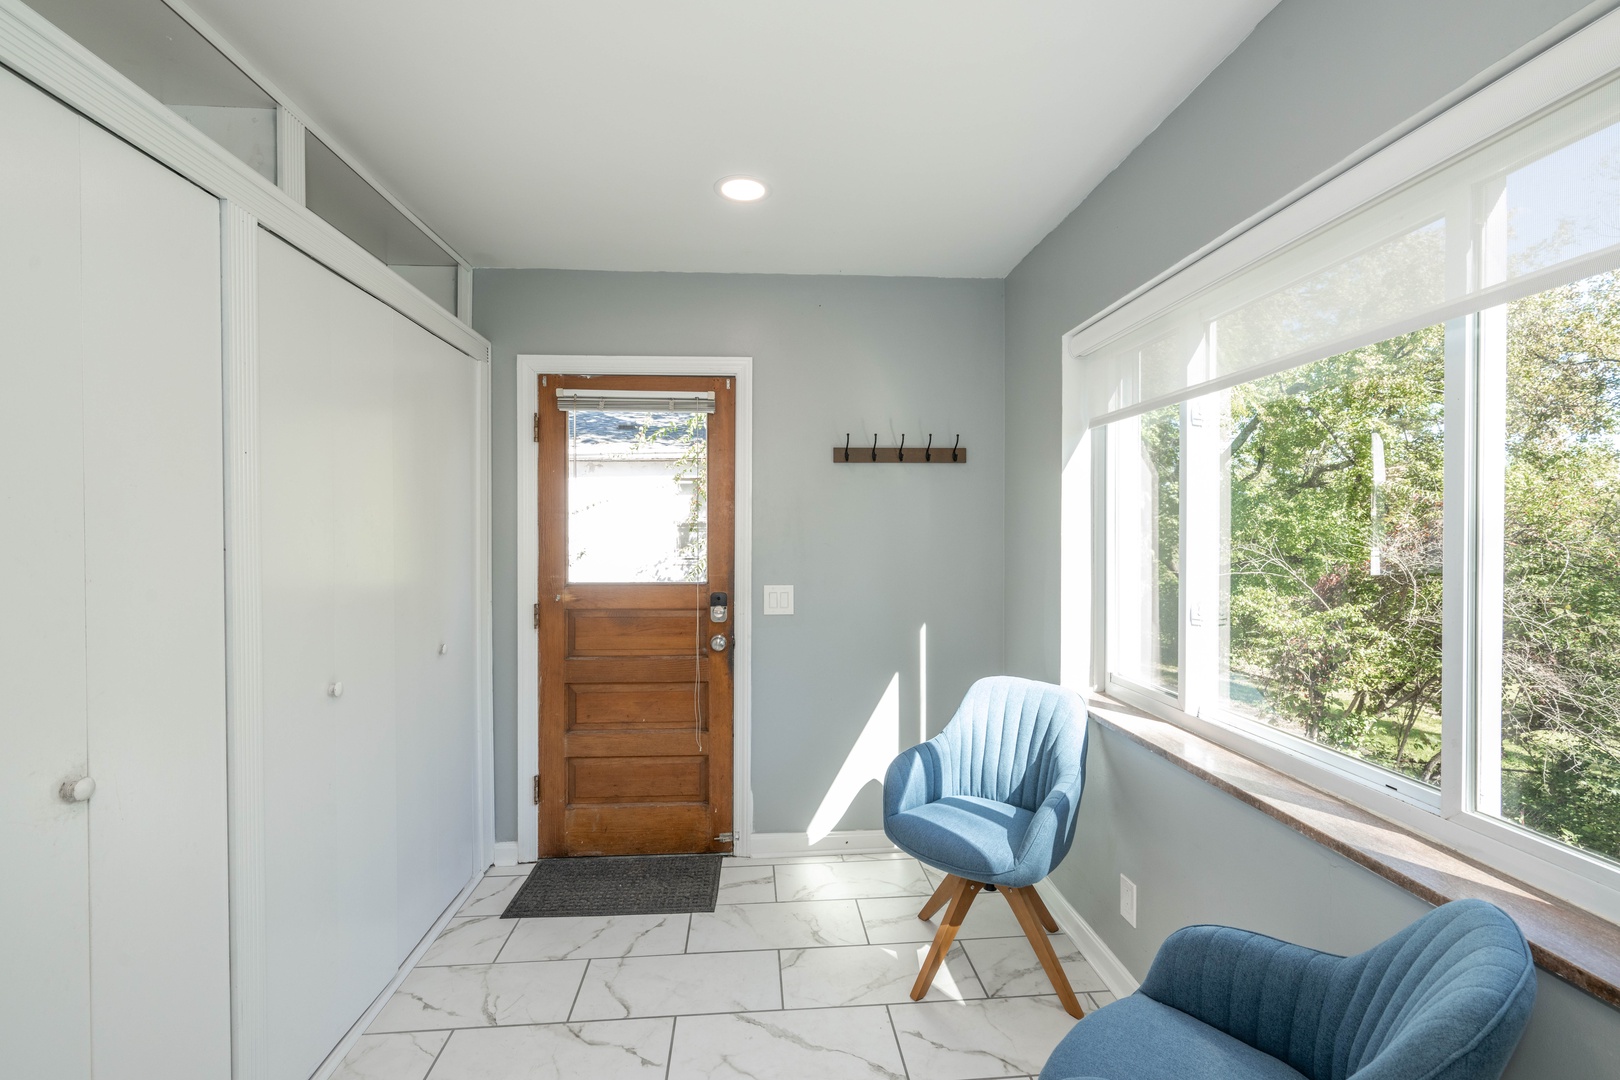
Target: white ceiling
{"x":914,"y":137}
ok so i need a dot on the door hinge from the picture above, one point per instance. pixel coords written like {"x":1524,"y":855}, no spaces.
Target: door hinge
{"x":537,"y":616}
{"x":536,"y":427}
{"x":727,"y":837}
{"x":537,"y":789}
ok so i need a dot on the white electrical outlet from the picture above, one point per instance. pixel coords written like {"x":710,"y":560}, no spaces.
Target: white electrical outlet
{"x":778,"y":600}
{"x":1127,"y":899}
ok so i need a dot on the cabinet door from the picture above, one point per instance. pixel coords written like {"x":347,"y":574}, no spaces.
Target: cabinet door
{"x":44,"y":897}
{"x":154,"y":578}
{"x":434,"y":389}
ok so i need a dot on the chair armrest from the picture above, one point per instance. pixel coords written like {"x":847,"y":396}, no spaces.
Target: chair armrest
{"x":913,"y":779}
{"x":1261,"y":991}
{"x":1051,"y":830}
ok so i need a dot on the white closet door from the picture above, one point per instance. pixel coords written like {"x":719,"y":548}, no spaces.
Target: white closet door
{"x":154,"y":618}
{"x":434,"y":388}
{"x":44,"y":899}
{"x":366,"y":487}
{"x":326,"y":487}
{"x":115,"y":955}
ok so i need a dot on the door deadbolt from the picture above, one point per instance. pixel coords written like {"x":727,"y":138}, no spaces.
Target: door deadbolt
{"x":718,"y":643}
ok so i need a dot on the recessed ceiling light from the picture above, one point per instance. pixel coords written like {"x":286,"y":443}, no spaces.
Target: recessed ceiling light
{"x":741,"y":188}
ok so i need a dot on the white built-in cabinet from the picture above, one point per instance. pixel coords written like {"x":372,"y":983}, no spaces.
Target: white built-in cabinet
{"x":353,"y":813}
{"x":114,"y":931}
{"x":367,"y":481}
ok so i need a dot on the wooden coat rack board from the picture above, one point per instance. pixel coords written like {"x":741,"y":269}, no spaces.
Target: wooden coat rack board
{"x":927,"y":454}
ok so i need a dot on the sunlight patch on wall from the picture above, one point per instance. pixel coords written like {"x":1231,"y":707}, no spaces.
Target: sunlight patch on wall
{"x":868,"y":760}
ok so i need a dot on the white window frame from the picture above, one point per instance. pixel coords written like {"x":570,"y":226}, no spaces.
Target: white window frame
{"x":1472,"y":520}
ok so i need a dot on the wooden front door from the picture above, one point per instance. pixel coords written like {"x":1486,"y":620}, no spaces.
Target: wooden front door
{"x":636,"y":509}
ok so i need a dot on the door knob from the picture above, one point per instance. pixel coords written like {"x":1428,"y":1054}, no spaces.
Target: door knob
{"x":718,"y":643}
{"x":78,"y":790}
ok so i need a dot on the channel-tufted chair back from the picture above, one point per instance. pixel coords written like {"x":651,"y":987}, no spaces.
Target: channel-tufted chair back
{"x":1011,"y":740}
{"x":1445,"y":999}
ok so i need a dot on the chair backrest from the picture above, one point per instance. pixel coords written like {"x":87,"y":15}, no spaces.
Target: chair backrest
{"x":1445,"y":999}
{"x":1012,"y":739}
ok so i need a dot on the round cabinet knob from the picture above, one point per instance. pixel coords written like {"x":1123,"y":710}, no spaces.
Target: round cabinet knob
{"x":335,"y":690}
{"x":78,"y":790}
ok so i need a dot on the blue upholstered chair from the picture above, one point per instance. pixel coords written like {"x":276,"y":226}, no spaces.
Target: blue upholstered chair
{"x":991,"y":801}
{"x":1445,"y":999}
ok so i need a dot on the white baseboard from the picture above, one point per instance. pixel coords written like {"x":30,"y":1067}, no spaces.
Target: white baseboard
{"x":350,"y":1037}
{"x":1113,"y":973}
{"x":506,"y":853}
{"x":777,"y":845}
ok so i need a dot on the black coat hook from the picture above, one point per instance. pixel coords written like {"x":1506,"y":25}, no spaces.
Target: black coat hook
{"x":928,"y":451}
{"x":953,"y":448}
{"x":874,"y":448}
{"x":846,"y":446}
{"x":902,"y":448}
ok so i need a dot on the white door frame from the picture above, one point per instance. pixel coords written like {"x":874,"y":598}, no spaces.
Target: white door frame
{"x":527,"y":586}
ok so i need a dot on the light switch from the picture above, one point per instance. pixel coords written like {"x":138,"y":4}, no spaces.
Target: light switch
{"x":778,"y":599}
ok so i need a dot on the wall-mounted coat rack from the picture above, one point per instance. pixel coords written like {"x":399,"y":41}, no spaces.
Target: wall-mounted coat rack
{"x":927,"y":454}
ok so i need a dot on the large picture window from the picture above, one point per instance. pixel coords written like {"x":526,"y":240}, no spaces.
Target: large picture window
{"x":1362,"y":497}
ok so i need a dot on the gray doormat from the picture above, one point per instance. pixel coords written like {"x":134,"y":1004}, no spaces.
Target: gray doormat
{"x":618,"y":885}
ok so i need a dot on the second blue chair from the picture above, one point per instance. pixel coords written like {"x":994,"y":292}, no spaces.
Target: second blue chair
{"x":991,"y":801}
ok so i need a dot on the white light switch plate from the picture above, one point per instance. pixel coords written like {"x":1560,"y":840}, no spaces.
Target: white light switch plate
{"x":778,"y":599}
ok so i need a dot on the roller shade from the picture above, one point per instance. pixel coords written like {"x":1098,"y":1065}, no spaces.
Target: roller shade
{"x":1534,"y":208}
{"x":635,"y":401}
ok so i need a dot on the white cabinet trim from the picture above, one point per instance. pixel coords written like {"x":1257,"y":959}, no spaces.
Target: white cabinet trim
{"x":244,"y":662}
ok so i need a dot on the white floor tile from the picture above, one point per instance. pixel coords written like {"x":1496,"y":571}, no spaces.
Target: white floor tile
{"x":491,"y":895}
{"x":521,"y":869}
{"x":481,"y":995}
{"x":877,"y":856}
{"x":894,"y":918}
{"x":829,"y":1044}
{"x":870,"y":975}
{"x":1099,"y":998}
{"x":610,"y":1050}
{"x":1007,"y":967}
{"x":477,"y":940}
{"x":974,"y":1039}
{"x":850,"y":880}
{"x":747,"y":884}
{"x":741,"y":927}
{"x":402,"y":1056}
{"x":588,"y":937}
{"x":679,"y":985}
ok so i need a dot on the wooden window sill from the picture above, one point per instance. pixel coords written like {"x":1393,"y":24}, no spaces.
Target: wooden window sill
{"x":1569,"y":942}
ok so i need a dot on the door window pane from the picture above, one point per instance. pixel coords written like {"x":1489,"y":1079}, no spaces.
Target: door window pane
{"x":1559,"y":752}
{"x":637,"y":496}
{"x":1330,"y":577}
{"x":1144,"y":602}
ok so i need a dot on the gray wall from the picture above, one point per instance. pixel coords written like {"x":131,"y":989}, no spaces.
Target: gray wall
{"x":1316,"y":82}
{"x":874,"y":552}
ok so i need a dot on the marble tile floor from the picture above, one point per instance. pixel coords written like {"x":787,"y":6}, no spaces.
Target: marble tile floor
{"x":804,"y":969}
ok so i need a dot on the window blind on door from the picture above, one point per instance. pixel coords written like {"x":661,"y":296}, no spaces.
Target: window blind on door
{"x":635,"y":401}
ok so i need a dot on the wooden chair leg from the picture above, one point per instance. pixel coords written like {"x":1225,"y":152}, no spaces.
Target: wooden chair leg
{"x":961,"y":899}
{"x":1040,"y":910}
{"x":941,"y":897}
{"x":1023,"y":904}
